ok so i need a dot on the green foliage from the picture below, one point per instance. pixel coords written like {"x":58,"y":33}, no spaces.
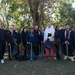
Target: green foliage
{"x":17,"y":12}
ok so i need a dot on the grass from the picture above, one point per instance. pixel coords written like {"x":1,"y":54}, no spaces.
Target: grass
{"x":38,"y":67}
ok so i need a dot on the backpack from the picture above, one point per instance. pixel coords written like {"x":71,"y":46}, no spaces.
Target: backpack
{"x":48,"y":44}
{"x":22,"y":58}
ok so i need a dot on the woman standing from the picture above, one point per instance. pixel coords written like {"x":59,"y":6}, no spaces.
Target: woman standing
{"x":12,"y":42}
{"x":23,"y":36}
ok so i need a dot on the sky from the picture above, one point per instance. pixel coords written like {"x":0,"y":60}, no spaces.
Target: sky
{"x":0,"y":1}
{"x":73,"y":5}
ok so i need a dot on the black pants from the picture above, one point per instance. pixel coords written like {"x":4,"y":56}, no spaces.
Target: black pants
{"x":33,"y":48}
{"x":38,"y":48}
{"x":1,"y":50}
{"x":25,"y":50}
{"x":57,"y":51}
{"x":18,"y":51}
{"x":42,"y":49}
{"x":4,"y":46}
{"x":68,"y":51}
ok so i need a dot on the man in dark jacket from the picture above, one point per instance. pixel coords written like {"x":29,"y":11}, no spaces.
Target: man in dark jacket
{"x":32,"y":38}
{"x":67,"y":39}
{"x":2,"y":43}
{"x":57,"y":41}
{"x":74,"y":40}
{"x":63,"y":27}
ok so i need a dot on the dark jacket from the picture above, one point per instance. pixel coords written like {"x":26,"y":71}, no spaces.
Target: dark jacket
{"x":10,"y":38}
{"x":42,"y":36}
{"x":18,"y":36}
{"x":2,"y":35}
{"x":71,"y":38}
{"x":38,"y":35}
{"x":74,"y":38}
{"x":23,"y":37}
{"x":57,"y":36}
{"x":32,"y":37}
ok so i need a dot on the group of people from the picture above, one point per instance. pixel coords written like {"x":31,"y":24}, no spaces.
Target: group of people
{"x":62,"y":41}
{"x":52,"y":41}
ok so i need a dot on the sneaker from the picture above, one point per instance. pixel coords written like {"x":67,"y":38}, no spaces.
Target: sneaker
{"x":54,"y":58}
{"x":72,"y":59}
{"x":2,"y":61}
{"x":65,"y":57}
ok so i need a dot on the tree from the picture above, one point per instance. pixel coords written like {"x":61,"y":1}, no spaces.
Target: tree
{"x":37,"y":8}
{"x":31,"y":12}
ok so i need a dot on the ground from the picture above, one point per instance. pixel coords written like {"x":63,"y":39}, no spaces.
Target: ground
{"x":38,"y":67}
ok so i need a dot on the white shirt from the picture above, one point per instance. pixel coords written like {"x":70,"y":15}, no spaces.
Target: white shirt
{"x":51,"y":31}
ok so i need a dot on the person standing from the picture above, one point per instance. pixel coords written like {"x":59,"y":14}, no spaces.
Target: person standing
{"x":38,"y":45}
{"x":57,"y":42}
{"x":74,"y":41}
{"x":42,"y":42}
{"x":63,"y":27}
{"x":12,"y":41}
{"x":18,"y":36}
{"x":23,"y":36}
{"x":50,"y":30}
{"x":32,"y":38}
{"x":2,"y":43}
{"x":67,"y":39}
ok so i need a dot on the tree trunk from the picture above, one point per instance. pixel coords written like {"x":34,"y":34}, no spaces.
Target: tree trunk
{"x":34,"y":4}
